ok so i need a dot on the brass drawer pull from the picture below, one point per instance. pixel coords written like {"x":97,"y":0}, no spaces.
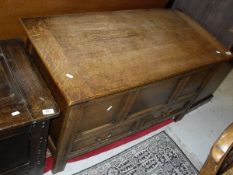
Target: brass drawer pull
{"x":98,"y":139}
{"x":163,"y":114}
{"x":170,"y":110}
{"x":109,"y":135}
{"x":167,"y":113}
{"x":113,"y":120}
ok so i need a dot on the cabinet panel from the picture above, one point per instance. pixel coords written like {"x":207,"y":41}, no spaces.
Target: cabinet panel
{"x":221,"y":72}
{"x":101,"y":112}
{"x":154,"y":95}
{"x":195,"y":82}
{"x":14,"y":151}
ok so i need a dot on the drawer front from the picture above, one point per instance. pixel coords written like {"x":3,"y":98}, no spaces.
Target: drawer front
{"x":101,"y":112}
{"x":153,"y":95}
{"x":162,"y":115}
{"x":173,"y":109}
{"x":95,"y":138}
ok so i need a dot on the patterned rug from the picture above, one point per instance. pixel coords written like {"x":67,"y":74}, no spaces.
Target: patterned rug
{"x":158,"y":155}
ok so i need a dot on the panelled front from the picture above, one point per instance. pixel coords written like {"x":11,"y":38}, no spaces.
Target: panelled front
{"x":110,"y":118}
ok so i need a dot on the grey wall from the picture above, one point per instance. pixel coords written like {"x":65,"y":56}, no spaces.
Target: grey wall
{"x":215,"y":15}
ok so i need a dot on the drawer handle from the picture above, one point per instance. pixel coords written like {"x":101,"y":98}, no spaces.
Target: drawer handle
{"x":169,"y":111}
{"x":163,"y":114}
{"x":98,"y":139}
{"x":113,"y":120}
{"x":109,"y":135}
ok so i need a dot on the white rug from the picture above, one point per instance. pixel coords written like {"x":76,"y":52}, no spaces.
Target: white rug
{"x":158,"y":155}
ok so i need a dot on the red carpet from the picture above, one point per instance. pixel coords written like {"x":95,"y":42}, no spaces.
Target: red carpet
{"x":49,"y":160}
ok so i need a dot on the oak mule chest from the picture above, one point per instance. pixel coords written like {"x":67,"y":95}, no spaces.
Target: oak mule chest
{"x":116,"y":73}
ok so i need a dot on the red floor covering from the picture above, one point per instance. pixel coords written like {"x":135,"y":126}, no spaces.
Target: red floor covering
{"x":49,"y":160}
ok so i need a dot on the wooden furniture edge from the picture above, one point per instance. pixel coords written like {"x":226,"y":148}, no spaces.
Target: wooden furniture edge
{"x":223,"y":144}
{"x":203,"y":85}
{"x":218,"y":152}
{"x":64,"y":140}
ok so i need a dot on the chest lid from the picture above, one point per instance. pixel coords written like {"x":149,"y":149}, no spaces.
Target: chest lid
{"x":90,"y":55}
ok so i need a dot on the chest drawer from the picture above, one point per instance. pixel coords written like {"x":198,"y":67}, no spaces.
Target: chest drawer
{"x":163,"y":114}
{"x":87,"y":141}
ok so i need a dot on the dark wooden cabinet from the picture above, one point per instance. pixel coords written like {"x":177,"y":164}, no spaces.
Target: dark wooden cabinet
{"x":26,"y":108}
{"x":15,"y":156}
{"x":116,"y":73}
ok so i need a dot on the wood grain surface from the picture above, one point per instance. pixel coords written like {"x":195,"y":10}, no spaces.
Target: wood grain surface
{"x":12,"y":10}
{"x":90,"y":55}
{"x":35,"y":96}
{"x":220,"y":159}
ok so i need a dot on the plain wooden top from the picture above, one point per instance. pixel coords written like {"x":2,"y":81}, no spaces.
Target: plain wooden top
{"x":108,"y":52}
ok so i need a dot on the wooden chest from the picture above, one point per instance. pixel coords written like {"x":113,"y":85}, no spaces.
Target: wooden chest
{"x":26,"y":107}
{"x":115,"y":73}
